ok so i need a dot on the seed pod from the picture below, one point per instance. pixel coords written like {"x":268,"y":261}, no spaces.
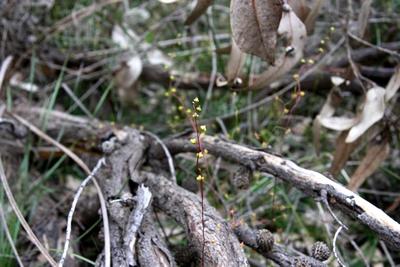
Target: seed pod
{"x":320,"y":251}
{"x":265,"y":240}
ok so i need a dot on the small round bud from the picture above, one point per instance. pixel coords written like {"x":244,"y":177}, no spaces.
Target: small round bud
{"x":301,"y":262}
{"x":265,"y":240}
{"x":320,"y":251}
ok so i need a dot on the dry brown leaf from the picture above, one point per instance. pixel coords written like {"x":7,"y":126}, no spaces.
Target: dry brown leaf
{"x":393,"y":85}
{"x":199,"y":9}
{"x":316,"y":128}
{"x":254,"y":26}
{"x":342,"y":153}
{"x":235,"y":63}
{"x":312,"y":16}
{"x":294,"y":31}
{"x":301,"y":8}
{"x":376,"y":154}
{"x":363,"y":17}
{"x":373,"y":111}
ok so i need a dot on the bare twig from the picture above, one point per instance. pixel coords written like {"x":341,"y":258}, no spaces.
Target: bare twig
{"x":310,"y":182}
{"x":379,"y":48}
{"x":335,"y":252}
{"x":73,"y":207}
{"x":324,"y":196}
{"x":135,"y":220}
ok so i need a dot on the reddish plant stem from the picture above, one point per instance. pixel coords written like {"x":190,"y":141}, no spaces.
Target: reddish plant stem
{"x":195,"y":126}
{"x":201,"y":185}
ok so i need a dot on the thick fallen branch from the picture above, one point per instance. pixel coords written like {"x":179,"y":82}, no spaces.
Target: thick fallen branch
{"x":152,"y":250}
{"x":222,"y":247}
{"x":310,"y":182}
{"x":277,"y":254}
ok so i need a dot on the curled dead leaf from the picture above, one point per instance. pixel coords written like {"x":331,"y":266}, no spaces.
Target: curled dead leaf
{"x":235,"y":63}
{"x":337,"y":123}
{"x":294,"y":31}
{"x":130,"y":71}
{"x":199,"y":9}
{"x":126,"y":79}
{"x":254,"y":26}
{"x":373,"y":111}
{"x":220,"y":81}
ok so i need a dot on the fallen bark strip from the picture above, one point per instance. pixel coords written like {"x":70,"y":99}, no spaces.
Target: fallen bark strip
{"x":310,"y":182}
{"x":135,"y":220}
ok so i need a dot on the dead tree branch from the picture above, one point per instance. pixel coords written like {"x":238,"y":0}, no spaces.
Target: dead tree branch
{"x":127,"y":149}
{"x":222,"y":247}
{"x":310,"y":182}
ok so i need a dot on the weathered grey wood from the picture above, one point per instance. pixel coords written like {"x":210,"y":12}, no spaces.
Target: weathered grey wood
{"x":310,"y":182}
